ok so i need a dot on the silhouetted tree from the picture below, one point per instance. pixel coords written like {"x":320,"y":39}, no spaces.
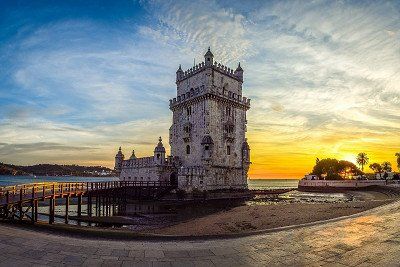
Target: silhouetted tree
{"x":387,"y":166}
{"x":362,"y":159}
{"x":332,"y":169}
{"x":377,"y":168}
{"x":398,"y":160}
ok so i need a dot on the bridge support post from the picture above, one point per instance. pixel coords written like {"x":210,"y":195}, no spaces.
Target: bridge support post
{"x":79,"y":208}
{"x":66,"y":208}
{"x":103,"y":206}
{"x":21,"y":213}
{"x":79,"y":205}
{"x":52,"y":208}
{"x":33,"y":211}
{"x":97,"y":205}
{"x":36,"y":205}
{"x":7,"y":205}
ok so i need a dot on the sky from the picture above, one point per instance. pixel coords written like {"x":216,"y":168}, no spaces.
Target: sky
{"x":78,"y":79}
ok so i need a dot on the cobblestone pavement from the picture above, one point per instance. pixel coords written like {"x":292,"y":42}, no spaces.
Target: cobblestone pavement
{"x":371,"y":239}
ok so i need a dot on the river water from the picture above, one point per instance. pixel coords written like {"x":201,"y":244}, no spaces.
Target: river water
{"x":6,"y":180}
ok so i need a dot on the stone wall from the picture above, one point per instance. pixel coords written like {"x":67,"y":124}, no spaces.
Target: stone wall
{"x":209,"y":102}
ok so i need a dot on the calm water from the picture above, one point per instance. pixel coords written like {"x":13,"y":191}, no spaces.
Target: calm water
{"x":153,"y":214}
{"x":253,"y":184}
{"x":6,"y":180}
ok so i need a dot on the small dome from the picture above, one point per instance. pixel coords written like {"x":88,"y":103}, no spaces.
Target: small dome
{"x":209,"y":54}
{"x":133,"y":156}
{"x":119,"y":154}
{"x":207,"y":140}
{"x":160,"y":147}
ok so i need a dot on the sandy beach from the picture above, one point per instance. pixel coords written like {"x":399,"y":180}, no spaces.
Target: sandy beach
{"x":247,"y":218}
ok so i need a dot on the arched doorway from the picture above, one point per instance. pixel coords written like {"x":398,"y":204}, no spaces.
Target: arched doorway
{"x":173,"y":179}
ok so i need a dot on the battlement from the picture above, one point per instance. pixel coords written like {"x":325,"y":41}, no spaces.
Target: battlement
{"x":202,"y":66}
{"x":216,"y":91}
{"x":138,"y":162}
{"x":145,"y":162}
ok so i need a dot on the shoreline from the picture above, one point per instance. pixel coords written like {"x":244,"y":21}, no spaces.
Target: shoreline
{"x":97,"y":233}
{"x":241,"y":220}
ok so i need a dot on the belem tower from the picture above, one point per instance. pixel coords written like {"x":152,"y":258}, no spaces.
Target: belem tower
{"x":209,"y":149}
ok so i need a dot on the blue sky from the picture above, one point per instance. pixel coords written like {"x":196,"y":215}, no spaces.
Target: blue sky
{"x":79,"y":79}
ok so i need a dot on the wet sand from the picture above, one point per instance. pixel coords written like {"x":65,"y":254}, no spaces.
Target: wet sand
{"x":248,"y":218}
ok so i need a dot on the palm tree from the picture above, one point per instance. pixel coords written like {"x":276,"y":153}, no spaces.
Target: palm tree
{"x":362,"y":159}
{"x":398,"y":160}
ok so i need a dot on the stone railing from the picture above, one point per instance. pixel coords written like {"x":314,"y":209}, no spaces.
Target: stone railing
{"x":138,"y":162}
{"x":229,"y":95}
{"x":201,"y":66}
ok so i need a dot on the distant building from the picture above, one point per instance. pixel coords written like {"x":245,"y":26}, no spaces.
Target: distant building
{"x":209,"y":149}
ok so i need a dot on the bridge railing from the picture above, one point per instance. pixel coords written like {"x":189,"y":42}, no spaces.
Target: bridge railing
{"x":17,"y":193}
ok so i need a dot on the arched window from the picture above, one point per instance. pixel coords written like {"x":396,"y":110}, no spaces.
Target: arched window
{"x":228,"y":111}
{"x":188,"y":149}
{"x":228,"y":150}
{"x":158,"y":156}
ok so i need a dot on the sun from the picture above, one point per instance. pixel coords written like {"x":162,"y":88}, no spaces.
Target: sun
{"x":351,"y":158}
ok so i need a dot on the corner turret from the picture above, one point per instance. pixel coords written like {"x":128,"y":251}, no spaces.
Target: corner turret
{"x":133,"y":156}
{"x":209,"y":58}
{"x":179,"y":73}
{"x":159,"y":152}
{"x":119,"y":157}
{"x":246,"y":152}
{"x":239,"y":72}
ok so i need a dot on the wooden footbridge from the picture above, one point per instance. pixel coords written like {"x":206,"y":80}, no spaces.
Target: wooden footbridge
{"x":21,"y":202}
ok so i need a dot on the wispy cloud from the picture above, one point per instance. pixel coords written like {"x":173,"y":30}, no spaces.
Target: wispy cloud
{"x":323,"y":75}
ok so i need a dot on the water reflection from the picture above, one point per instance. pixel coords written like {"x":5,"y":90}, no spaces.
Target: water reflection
{"x":142,"y":215}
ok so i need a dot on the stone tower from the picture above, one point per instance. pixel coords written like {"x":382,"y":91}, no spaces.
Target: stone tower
{"x":119,"y":158}
{"x":209,"y":125}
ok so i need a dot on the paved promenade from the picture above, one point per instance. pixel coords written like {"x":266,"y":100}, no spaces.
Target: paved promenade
{"x":372,"y":239}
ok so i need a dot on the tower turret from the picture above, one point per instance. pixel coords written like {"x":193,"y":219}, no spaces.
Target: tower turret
{"x":179,"y":73}
{"x":245,"y":152}
{"x":209,"y":58}
{"x":239,"y":72}
{"x":119,"y":157}
{"x":159,"y":152}
{"x":133,"y":156}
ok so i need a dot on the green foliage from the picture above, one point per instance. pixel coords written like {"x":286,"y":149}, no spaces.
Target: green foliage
{"x":387,"y":166}
{"x":377,"y":168}
{"x":362,"y":159}
{"x":51,"y":169}
{"x":398,"y":160}
{"x":332,"y":169}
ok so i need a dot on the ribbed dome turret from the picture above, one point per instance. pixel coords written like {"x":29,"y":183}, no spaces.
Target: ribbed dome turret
{"x":209,"y":58}
{"x":209,"y":54}
{"x":119,"y":154}
{"x":160,"y":147}
{"x":133,"y":156}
